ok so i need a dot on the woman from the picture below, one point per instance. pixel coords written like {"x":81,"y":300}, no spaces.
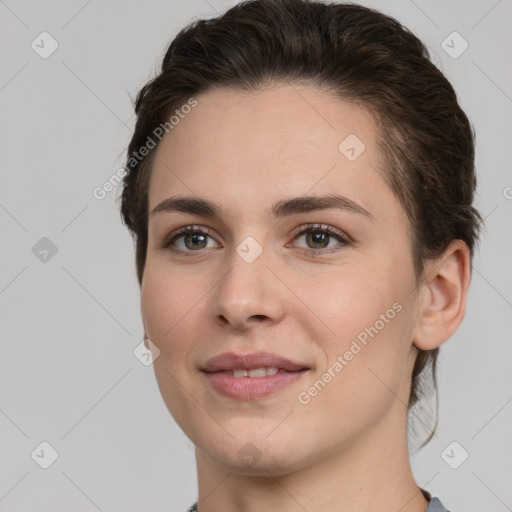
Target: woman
{"x":299,"y":186}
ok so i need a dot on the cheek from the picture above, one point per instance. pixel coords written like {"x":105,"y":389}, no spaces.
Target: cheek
{"x":368,"y":326}
{"x":165,"y":301}
{"x":343,"y":301}
{"x":168,"y":315}
{"x":365,"y":373}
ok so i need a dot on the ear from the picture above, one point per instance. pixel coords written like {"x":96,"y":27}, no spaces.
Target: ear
{"x":443,"y":296}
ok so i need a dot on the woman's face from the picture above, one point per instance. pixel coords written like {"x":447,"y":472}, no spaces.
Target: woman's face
{"x":341,"y":305}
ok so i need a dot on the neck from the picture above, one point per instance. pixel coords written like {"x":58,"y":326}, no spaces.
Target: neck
{"x":371,"y":472}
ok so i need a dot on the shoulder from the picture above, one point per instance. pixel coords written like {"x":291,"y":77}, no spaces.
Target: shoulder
{"x":435,"y":505}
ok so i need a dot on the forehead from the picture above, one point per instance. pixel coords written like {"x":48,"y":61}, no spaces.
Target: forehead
{"x":243,"y":149}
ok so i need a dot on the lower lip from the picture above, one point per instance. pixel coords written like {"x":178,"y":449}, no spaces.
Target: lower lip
{"x":249,"y":388}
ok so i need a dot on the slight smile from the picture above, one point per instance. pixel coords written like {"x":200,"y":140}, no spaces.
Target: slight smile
{"x":251,"y":376}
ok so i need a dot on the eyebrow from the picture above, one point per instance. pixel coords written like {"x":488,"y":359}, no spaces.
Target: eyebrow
{"x":282,"y":208}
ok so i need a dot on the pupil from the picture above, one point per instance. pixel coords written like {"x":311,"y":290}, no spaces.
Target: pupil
{"x":194,"y":237}
{"x":318,"y":238}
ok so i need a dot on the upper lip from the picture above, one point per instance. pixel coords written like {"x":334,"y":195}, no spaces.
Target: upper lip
{"x":233,"y":361}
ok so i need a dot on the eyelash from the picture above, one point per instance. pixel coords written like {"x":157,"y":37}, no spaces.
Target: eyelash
{"x":308,"y":228}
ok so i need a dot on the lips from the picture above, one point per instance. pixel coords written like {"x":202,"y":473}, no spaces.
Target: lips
{"x":231,"y":362}
{"x":251,"y":376}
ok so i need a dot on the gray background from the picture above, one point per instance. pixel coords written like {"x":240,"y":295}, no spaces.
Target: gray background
{"x":70,"y":323}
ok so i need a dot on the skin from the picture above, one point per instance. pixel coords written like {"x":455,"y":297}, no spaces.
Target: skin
{"x":346,"y":449}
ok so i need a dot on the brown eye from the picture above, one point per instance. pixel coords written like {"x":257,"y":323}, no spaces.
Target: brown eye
{"x":188,"y":239}
{"x":318,"y":237}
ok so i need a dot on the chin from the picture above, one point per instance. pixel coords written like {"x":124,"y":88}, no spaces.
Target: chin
{"x":255,"y":456}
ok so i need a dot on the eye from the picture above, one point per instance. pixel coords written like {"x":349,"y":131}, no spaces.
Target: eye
{"x":188,"y":239}
{"x":318,"y":236}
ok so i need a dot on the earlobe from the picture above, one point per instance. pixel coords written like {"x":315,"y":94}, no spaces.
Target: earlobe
{"x":443,"y":296}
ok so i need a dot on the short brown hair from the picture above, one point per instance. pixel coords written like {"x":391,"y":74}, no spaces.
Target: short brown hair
{"x":361,"y":55}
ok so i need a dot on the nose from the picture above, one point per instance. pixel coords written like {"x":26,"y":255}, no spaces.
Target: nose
{"x":249,"y":294}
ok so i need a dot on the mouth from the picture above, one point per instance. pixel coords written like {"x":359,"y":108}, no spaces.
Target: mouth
{"x":255,"y":363}
{"x":251,"y":376}
{"x":255,"y":372}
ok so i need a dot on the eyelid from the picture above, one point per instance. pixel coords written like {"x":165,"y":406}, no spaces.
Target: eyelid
{"x":331,"y":230}
{"x":179,"y":232}
{"x":344,"y":240}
